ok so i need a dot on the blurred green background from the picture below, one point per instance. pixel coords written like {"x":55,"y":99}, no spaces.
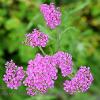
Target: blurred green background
{"x":80,"y":36}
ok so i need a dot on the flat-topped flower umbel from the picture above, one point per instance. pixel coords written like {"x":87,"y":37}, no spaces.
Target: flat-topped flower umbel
{"x":40,"y":75}
{"x":36,"y":38}
{"x":64,"y":61}
{"x":51,"y":14}
{"x":81,"y":82}
{"x":14,"y":75}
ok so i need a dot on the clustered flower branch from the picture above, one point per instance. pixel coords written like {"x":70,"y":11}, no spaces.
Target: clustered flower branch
{"x":42,"y":71}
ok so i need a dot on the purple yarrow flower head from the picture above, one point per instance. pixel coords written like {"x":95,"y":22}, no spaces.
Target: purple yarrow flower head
{"x":14,"y":75}
{"x":52,"y":15}
{"x":81,"y":82}
{"x":36,"y":38}
{"x":64,"y":62}
{"x":85,"y":78}
{"x":40,"y":75}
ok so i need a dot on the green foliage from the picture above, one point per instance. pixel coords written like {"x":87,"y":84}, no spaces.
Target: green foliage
{"x":26,"y":53}
{"x":83,"y":97}
{"x":79,"y":35}
{"x":42,"y":97}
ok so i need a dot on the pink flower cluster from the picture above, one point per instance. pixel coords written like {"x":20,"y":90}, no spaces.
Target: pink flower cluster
{"x":64,"y":62}
{"x":81,"y":82}
{"x":41,"y":73}
{"x":51,"y":14}
{"x":36,"y":38}
{"x":14,"y":75}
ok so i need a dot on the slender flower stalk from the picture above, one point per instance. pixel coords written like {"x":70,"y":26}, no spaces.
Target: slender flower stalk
{"x":58,"y":39}
{"x":42,"y":51}
{"x":53,"y":1}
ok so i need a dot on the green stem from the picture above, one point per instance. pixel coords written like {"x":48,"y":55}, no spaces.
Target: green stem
{"x":69,"y":28}
{"x":58,"y":40}
{"x":30,"y":24}
{"x":42,"y":51}
{"x":53,"y":1}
